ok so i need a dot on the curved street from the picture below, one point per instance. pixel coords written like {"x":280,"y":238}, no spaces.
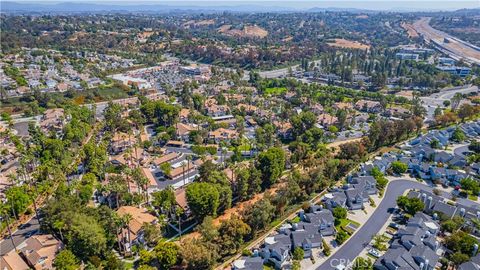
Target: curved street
{"x":350,"y":250}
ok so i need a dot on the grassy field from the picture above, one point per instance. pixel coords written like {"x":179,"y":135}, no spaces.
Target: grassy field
{"x":275,"y":90}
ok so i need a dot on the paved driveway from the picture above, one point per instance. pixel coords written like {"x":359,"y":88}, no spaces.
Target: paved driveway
{"x":351,"y":249}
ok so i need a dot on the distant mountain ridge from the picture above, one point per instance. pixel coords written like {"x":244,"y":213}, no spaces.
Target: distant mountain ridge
{"x":83,"y":7}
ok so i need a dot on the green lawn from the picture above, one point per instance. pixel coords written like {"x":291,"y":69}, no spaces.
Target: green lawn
{"x":296,"y":219}
{"x":128,"y":265}
{"x":472,"y":197}
{"x":275,"y":90}
{"x":344,"y":223}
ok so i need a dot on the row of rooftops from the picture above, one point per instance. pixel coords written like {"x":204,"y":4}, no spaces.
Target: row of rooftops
{"x":306,"y":234}
{"x":37,"y":252}
{"x":414,"y":247}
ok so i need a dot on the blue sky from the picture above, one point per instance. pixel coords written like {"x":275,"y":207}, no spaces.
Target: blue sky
{"x":360,"y":4}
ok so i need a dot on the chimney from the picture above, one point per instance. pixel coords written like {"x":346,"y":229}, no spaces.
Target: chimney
{"x":426,"y":264}
{"x":462,"y":212}
{"x":475,"y":249}
{"x":424,"y":198}
{"x":429,"y":202}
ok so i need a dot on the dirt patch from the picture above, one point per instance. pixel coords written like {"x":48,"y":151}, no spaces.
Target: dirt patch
{"x":77,"y":35}
{"x":410,"y":30}
{"x":287,"y":39}
{"x":199,"y":23}
{"x":344,"y":43}
{"x":406,"y":94}
{"x":363,"y":16}
{"x":250,"y":31}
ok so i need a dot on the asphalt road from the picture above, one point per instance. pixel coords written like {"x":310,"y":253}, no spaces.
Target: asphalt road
{"x":455,"y":47}
{"x":351,"y":249}
{"x":436,"y":100}
{"x":19,"y":236}
{"x":461,"y":151}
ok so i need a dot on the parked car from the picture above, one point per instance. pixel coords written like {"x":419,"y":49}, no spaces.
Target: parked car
{"x":394,"y":225}
{"x":374,"y":252}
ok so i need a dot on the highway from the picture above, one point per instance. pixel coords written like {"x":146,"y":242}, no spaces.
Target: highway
{"x":450,"y":45}
{"x":354,"y":246}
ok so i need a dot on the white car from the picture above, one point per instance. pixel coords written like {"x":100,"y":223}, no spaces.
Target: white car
{"x":374,"y":252}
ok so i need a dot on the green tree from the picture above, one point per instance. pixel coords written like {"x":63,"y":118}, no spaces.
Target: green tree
{"x":458,"y":135}
{"x":339,"y":212}
{"x":207,"y":229}
{"x":298,"y":254}
{"x":19,"y":198}
{"x":362,"y":264}
{"x":410,"y":205}
{"x":203,"y":199}
{"x":327,"y":250}
{"x":341,"y":237}
{"x":451,"y":225}
{"x":66,"y":260}
{"x":86,"y":236}
{"x":232,"y":234}
{"x":465,"y":111}
{"x":458,"y":258}
{"x":435,"y":144}
{"x":399,"y":167}
{"x":271,"y":164}
{"x":462,"y":242}
{"x":197,"y":254}
{"x":166,"y":254}
{"x":471,"y":185}
{"x":259,"y":215}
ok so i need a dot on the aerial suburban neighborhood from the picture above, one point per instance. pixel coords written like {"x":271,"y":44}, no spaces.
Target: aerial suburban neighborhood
{"x":249,"y":135}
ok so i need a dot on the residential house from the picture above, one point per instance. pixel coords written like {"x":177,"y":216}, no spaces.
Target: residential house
{"x":306,"y":236}
{"x":414,"y":247}
{"x":12,"y":261}
{"x":326,"y":119}
{"x":133,"y":233}
{"x":222,"y":134}
{"x":335,"y":199}
{"x":183,"y":131}
{"x":41,"y":250}
{"x":321,"y":218}
{"x":343,"y":106}
{"x":184,"y":170}
{"x":248,"y":263}
{"x":276,"y":250}
{"x":368,"y":106}
{"x":121,"y":142}
{"x":215,"y":110}
{"x":53,"y":120}
{"x":359,"y":191}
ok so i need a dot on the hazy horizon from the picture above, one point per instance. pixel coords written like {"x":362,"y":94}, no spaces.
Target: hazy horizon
{"x":423,"y":5}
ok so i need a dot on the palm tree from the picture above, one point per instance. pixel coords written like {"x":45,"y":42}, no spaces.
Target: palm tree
{"x":4,"y":214}
{"x":59,"y":225}
{"x":126,"y":221}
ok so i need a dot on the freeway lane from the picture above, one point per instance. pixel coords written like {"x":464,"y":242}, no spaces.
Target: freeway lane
{"x":350,"y":250}
{"x":453,"y":46}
